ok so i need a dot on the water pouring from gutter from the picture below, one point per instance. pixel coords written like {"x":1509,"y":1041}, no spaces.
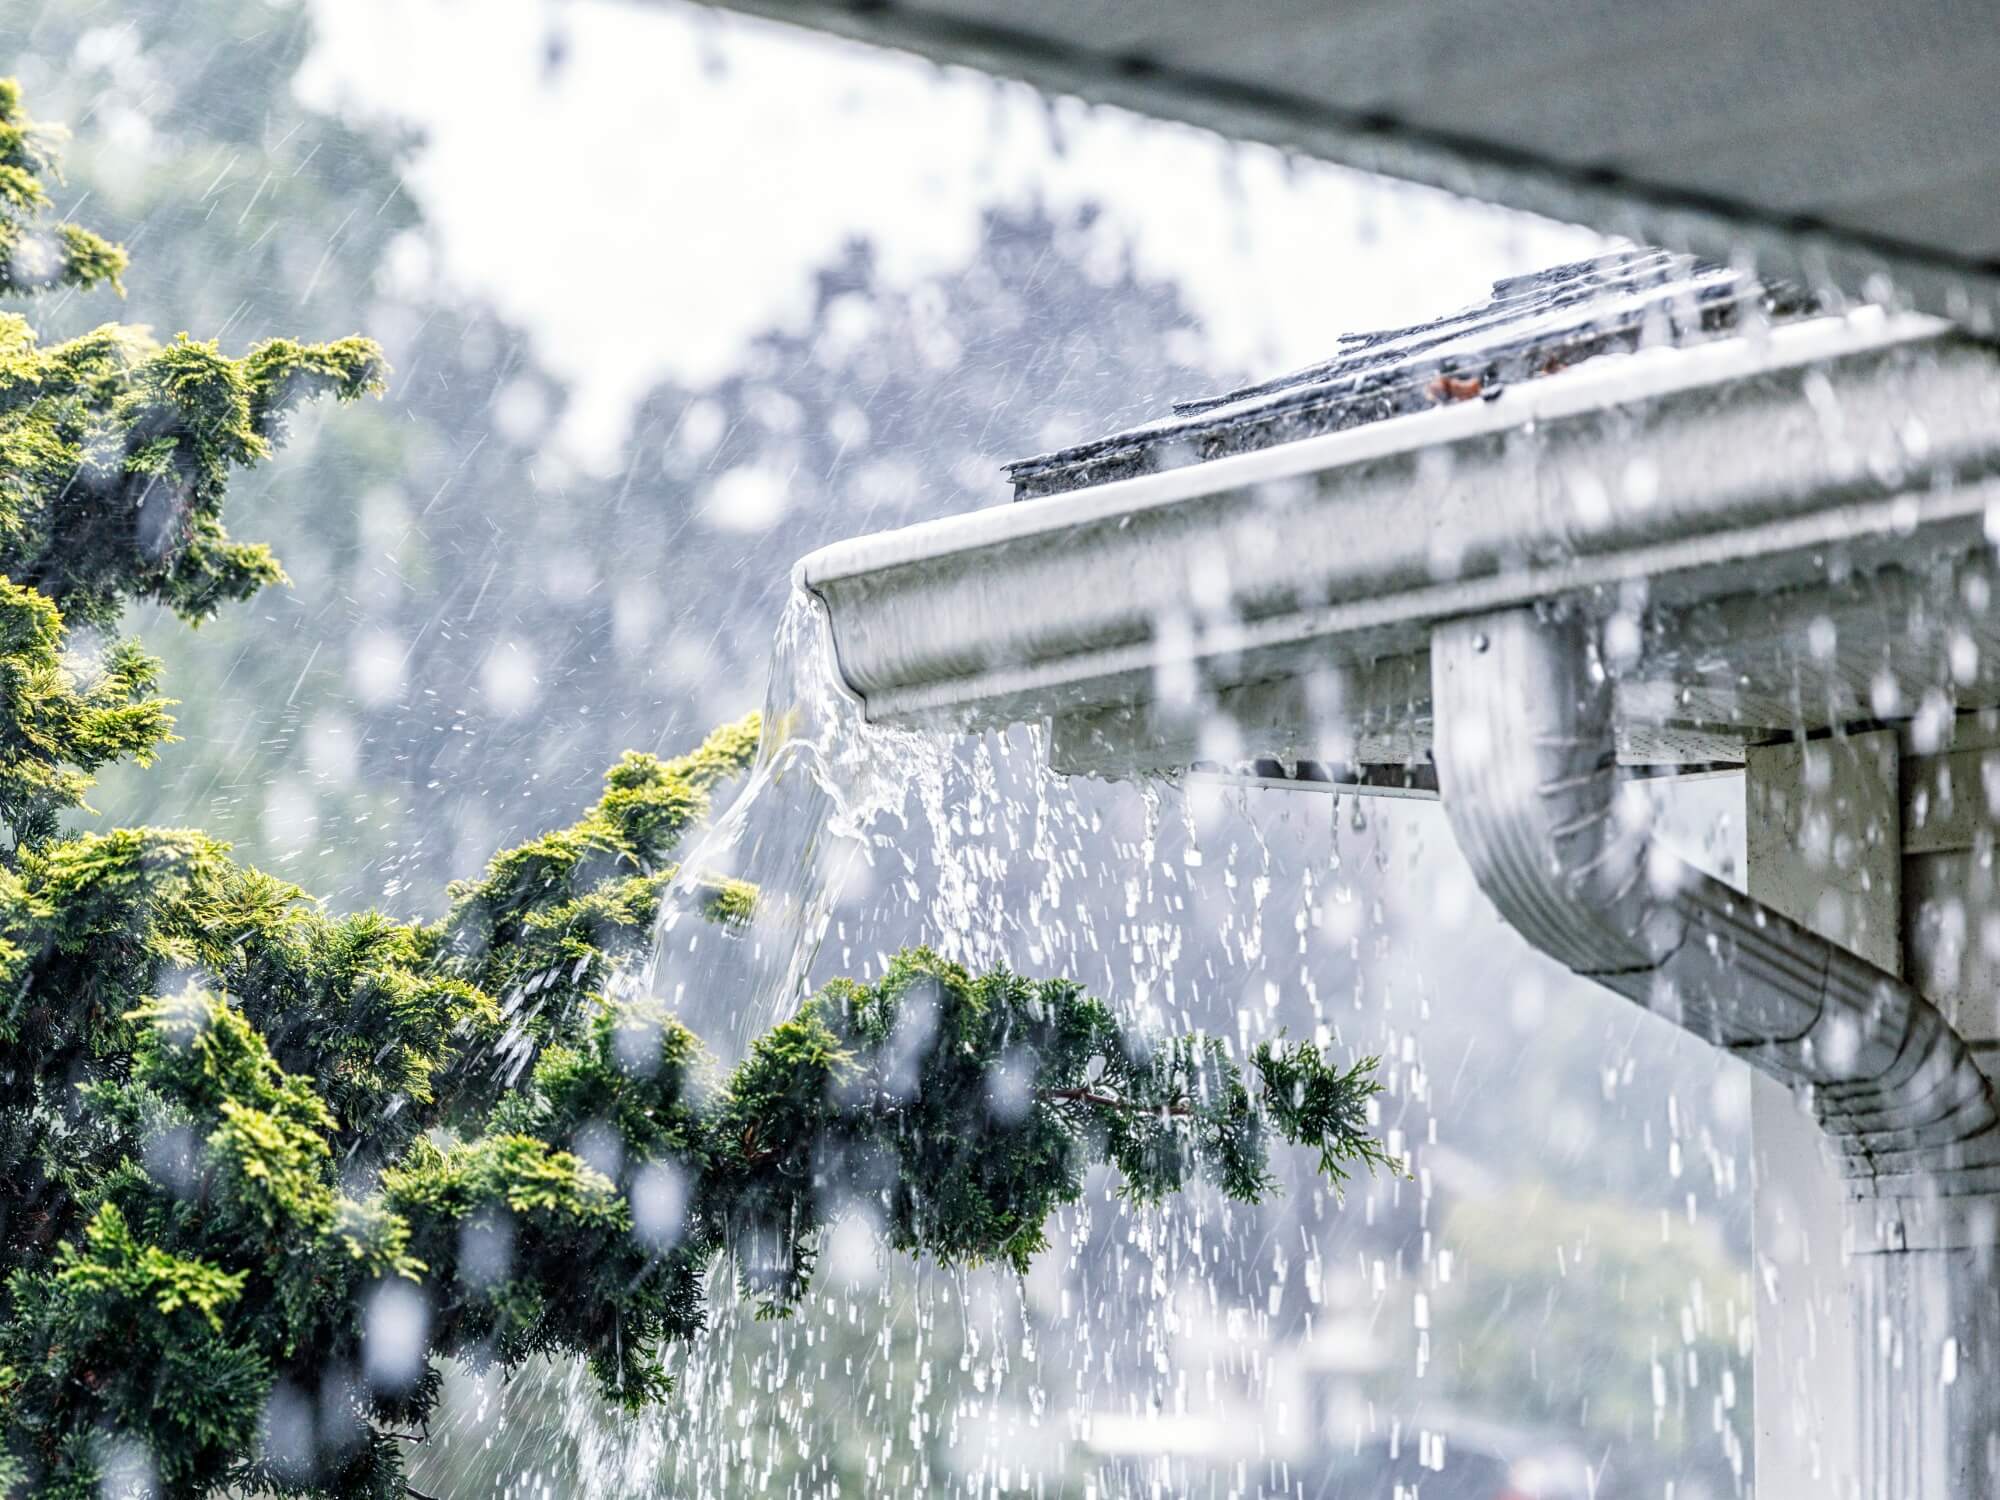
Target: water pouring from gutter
{"x":773,"y":867}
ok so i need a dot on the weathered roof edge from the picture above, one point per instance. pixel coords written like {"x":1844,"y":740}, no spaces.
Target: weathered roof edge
{"x":1530,"y":327}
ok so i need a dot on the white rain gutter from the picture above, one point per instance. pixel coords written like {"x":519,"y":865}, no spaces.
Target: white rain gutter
{"x":1726,"y":468}
{"x":1527,"y":771}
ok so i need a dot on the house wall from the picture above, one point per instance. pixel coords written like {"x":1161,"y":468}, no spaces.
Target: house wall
{"x":1823,"y":844}
{"x":1887,"y":847}
{"x":1951,"y":918}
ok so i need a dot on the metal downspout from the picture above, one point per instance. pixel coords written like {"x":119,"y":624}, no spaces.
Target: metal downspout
{"x":1527,"y":771}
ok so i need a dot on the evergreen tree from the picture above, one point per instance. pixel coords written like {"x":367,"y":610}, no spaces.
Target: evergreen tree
{"x":259,"y":1164}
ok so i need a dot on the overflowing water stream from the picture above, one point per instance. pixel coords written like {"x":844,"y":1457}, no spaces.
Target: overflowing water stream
{"x":830,"y":796}
{"x":1204,"y":1348}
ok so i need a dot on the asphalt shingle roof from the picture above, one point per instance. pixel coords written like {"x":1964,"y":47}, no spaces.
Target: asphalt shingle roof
{"x":1531,"y":326}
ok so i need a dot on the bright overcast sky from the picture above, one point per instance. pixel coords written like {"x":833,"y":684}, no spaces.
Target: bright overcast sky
{"x":725,"y":158}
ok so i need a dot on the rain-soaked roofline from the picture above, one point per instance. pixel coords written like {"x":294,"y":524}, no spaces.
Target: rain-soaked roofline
{"x":1734,"y":467}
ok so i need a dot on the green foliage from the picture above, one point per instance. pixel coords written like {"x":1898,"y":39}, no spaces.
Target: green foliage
{"x":259,"y":1164}
{"x":62,"y":717}
{"x":35,"y":257}
{"x":1314,"y":1102}
{"x":330,"y":1111}
{"x":115,"y":1272}
{"x":963,"y":1111}
{"x":115,"y":452}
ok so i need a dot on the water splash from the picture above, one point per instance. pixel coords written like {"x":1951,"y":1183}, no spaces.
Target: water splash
{"x":826,"y":803}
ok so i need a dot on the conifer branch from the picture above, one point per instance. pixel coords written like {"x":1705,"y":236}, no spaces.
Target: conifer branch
{"x":1111,"y":1101}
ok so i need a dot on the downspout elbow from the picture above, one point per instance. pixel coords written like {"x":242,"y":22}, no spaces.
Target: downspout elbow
{"x":1527,"y":767}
